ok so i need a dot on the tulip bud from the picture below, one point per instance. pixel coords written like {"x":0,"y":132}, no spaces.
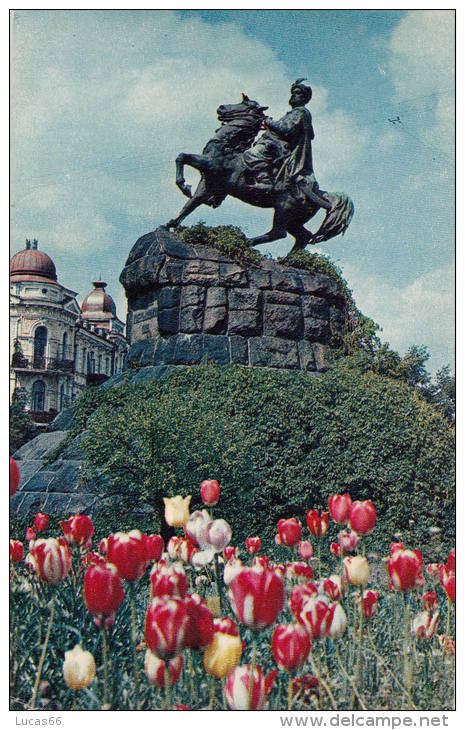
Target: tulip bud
{"x":305,"y":549}
{"x":257,"y":597}
{"x":290,"y":646}
{"x":14,"y":477}
{"x":237,"y":688}
{"x":103,"y":589}
{"x":289,"y":532}
{"x":41,"y":522}
{"x":155,"y":669}
{"x":430,"y":601}
{"x":253,"y":545}
{"x":314,"y":616}
{"x":166,"y":623}
{"x":424,"y":625}
{"x":154,"y":546}
{"x":30,"y":534}
{"x":356,"y":570}
{"x":78,"y":668}
{"x":177,"y":510}
{"x":51,"y":559}
{"x":127,"y":551}
{"x":169,"y":581}
{"x":370,"y":602}
{"x":404,"y":567}
{"x":362,"y":517}
{"x":218,"y":535}
{"x":336,"y":621}
{"x":339,"y":508}
{"x":16,"y":551}
{"x":332,"y":586}
{"x":78,"y":530}
{"x":210,"y":492}
{"x":222,"y":655}
{"x":317,"y":525}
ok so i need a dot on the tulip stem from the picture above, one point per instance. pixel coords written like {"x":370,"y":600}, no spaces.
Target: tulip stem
{"x":407,"y":675}
{"x":253,"y":661}
{"x":216,"y":570}
{"x":360,"y":637}
{"x":134,"y":643}
{"x":290,"y":688}
{"x":105,"y":664}
{"x":212,"y":693}
{"x":190,"y":670}
{"x":42,"y":656}
{"x":448,"y":618}
{"x":350,"y":680}
{"x":319,"y":560}
{"x":167,"y":685}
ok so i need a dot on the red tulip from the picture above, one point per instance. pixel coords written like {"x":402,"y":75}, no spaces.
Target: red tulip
{"x":14,"y":476}
{"x":424,"y":625}
{"x":172,"y":547}
{"x":433,"y":570}
{"x":362,"y":517}
{"x":200,"y":630}
{"x":314,"y":616}
{"x":299,"y":595}
{"x":430,"y":601}
{"x":127,"y":551}
{"x":253,"y":545}
{"x":92,"y":558}
{"x":225,"y":625}
{"x":237,"y":688}
{"x":447,"y":580}
{"x":155,"y":669}
{"x":186,"y":549}
{"x":339,"y":507}
{"x":370,"y":603}
{"x":261,"y":561}
{"x":168,"y":581}
{"x":41,"y":522}
{"x":395,"y":546}
{"x":404,"y":568}
{"x":332,"y":586}
{"x":166,"y":623}
{"x":103,"y":545}
{"x":30,"y":534}
{"x":16,"y":551}
{"x":230,"y":552}
{"x":450,"y":565}
{"x":317,"y":525}
{"x":302,"y":570}
{"x":289,"y":532}
{"x":78,"y":530}
{"x":103,"y":589}
{"x":290,"y":646}
{"x":257,"y":597}
{"x":154,"y":546}
{"x":210,"y":492}
{"x":305,"y":549}
{"x":348,"y":541}
{"x":51,"y":559}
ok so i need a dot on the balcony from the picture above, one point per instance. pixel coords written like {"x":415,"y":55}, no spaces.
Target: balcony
{"x":96,"y":378}
{"x":42,"y":364}
{"x":42,"y":417}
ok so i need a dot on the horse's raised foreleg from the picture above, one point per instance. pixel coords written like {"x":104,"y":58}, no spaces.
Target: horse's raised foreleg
{"x":196,"y":161}
{"x":200,"y":196}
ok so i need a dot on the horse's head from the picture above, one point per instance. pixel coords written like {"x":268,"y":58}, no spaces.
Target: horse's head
{"x":246,"y":109}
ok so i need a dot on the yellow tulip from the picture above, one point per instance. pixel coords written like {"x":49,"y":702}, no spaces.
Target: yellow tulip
{"x":356,"y":570}
{"x":78,"y":668}
{"x":222,"y":655}
{"x":177,"y":510}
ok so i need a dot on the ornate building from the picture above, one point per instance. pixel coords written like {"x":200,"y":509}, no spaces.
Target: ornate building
{"x":57,"y":347}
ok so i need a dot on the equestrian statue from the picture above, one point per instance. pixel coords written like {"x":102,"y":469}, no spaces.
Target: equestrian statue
{"x":274,"y":172}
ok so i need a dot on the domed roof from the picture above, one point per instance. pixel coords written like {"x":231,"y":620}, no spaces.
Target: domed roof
{"x":32,"y":265}
{"x":98,"y":305}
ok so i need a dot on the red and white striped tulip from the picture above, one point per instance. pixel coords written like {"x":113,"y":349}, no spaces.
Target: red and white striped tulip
{"x":370,"y":603}
{"x":172,"y":547}
{"x":314,"y":616}
{"x":155,"y":669}
{"x":103,"y":589}
{"x":253,"y":545}
{"x":299,"y":595}
{"x":166,"y":623}
{"x":362,"y":518}
{"x":78,"y":530}
{"x":430,"y":601}
{"x":332,"y":586}
{"x":336,"y":623}
{"x":41,"y":522}
{"x":237,"y":687}
{"x":404,"y":567}
{"x":225,"y":625}
{"x":51,"y":559}
{"x":16,"y":551}
{"x":199,"y":630}
{"x":127,"y":551}
{"x":425,"y":624}
{"x":339,"y":507}
{"x":257,"y":597}
{"x":168,"y":581}
{"x":317,"y":524}
{"x":290,"y":646}
{"x":231,"y":569}
{"x":289,"y":532}
{"x":447,"y":580}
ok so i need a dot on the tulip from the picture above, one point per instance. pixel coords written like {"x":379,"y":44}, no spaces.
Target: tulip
{"x":168,"y":581}
{"x":30,"y":534}
{"x":404,"y":567}
{"x":199,"y":630}
{"x":447,"y":644}
{"x":231,"y":569}
{"x":290,"y":646}
{"x":257,"y":597}
{"x":127,"y":551}
{"x":289,"y":532}
{"x":225,"y":625}
{"x":424,"y":625}
{"x":51,"y":559}
{"x":16,"y":551}
{"x":237,"y":691}
{"x":222,"y":655}
{"x":92,"y":558}
{"x":177,"y":510}
{"x":305,"y":549}
{"x":299,"y":595}
{"x":432,"y":570}
{"x":103,"y":589}
{"x":303,"y":687}
{"x":196,"y":527}
{"x":302,"y":570}
{"x":339,"y":508}
{"x":356,"y":570}
{"x":41,"y":521}
{"x":261,"y":561}
{"x":14,"y":477}
{"x":314,"y":616}
{"x":155,"y":669}
{"x":230,"y":552}
{"x":154,"y":546}
{"x":166,"y":623}
{"x":218,"y":535}
{"x":395,"y":546}
{"x":210,"y":492}
{"x":253,"y":545}
{"x":332,"y":586}
{"x":336,"y":623}
{"x":447,"y":580}
{"x":370,"y":603}
{"x":213,"y":605}
{"x":430,"y":601}
{"x":78,"y":668}
{"x":186,"y":550}
{"x":173,"y":547}
{"x":78,"y":530}
{"x":317,"y":525}
{"x":450,"y":564}
{"x":362,"y":518}
{"x":103,"y":546}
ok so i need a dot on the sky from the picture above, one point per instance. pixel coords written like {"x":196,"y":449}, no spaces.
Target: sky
{"x":103,"y":102}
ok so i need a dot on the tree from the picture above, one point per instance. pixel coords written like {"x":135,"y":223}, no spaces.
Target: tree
{"x":21,"y":427}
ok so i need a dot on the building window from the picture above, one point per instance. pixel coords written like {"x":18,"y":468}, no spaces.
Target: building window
{"x":84,"y":360}
{"x":38,"y":396}
{"x":107,"y":366}
{"x":62,"y":397}
{"x":99,"y":370}
{"x":91,"y":363}
{"x":64,"y":346}
{"x":40,"y":344}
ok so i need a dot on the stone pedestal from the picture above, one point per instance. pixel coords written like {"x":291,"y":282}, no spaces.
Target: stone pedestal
{"x":187,"y":305}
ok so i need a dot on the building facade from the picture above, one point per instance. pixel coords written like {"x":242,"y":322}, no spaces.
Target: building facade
{"x":57,"y":347}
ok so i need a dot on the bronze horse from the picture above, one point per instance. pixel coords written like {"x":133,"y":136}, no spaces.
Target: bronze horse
{"x":225,"y":172}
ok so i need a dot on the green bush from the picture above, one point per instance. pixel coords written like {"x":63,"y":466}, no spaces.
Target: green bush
{"x":279,"y":443}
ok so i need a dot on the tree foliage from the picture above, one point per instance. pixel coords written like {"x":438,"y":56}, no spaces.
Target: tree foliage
{"x":22,"y":428}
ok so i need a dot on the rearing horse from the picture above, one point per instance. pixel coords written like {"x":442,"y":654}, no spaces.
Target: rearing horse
{"x":225,"y":172}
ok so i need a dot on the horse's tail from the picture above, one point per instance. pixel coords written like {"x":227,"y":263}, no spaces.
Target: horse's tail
{"x":337,"y":219}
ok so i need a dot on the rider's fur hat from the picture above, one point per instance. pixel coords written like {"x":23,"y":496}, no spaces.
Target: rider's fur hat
{"x":307,"y":90}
